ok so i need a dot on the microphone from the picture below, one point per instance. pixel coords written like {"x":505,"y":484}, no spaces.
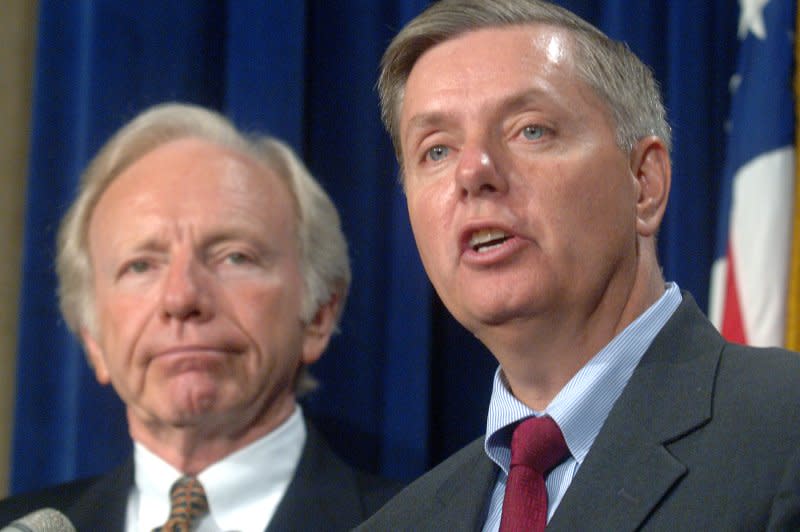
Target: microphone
{"x":44,"y":520}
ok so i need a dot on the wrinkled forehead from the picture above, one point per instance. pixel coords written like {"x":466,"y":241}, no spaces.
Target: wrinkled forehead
{"x":502,"y":59}
{"x":553,"y":44}
{"x":495,"y":55}
{"x":190,"y":178}
{"x":191,"y":160}
{"x":488,"y":66}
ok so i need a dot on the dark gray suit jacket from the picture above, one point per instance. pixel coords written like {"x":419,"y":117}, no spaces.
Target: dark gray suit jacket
{"x":325,"y":494}
{"x":705,"y":436}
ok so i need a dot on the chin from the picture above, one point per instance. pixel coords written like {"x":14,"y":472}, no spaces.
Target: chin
{"x":477,"y":319}
{"x":491,"y":320}
{"x":494,"y":305}
{"x":183,"y":417}
{"x":498,"y":313}
{"x":192,"y":401}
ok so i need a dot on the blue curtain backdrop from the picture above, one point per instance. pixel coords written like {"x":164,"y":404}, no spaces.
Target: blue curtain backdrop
{"x":403,"y":384}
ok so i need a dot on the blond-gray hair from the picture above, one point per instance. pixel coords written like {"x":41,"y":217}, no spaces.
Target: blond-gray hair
{"x":609,"y":67}
{"x":321,"y":242}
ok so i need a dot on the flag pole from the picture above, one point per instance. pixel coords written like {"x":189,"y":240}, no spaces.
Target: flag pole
{"x":793,"y":296}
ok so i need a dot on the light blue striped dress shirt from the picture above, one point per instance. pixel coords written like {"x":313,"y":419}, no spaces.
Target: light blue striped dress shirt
{"x":579,"y":409}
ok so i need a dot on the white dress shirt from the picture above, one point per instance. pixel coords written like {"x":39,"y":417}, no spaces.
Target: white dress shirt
{"x":243,"y":489}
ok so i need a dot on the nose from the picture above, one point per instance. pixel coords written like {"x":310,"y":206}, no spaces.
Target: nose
{"x":478,"y":172}
{"x":185,"y":294}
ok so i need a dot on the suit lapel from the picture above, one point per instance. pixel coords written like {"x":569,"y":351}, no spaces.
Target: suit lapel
{"x":463,"y":497}
{"x":629,"y":470}
{"x":104,"y":504}
{"x":323,"y":494}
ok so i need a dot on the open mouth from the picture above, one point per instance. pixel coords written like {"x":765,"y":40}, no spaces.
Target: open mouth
{"x":487,"y":239}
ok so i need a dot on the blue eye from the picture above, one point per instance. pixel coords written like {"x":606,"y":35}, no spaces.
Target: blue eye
{"x":533,"y":132}
{"x":237,"y":258}
{"x":439,"y":152}
{"x":138,"y":266}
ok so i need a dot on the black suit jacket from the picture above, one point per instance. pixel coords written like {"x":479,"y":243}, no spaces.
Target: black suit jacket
{"x":705,"y":436}
{"x":325,"y":494}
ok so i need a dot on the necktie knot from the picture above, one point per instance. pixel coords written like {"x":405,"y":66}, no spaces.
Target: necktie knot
{"x":538,"y":443}
{"x":188,"y":504}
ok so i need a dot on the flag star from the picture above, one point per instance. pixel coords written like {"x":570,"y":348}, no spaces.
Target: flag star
{"x":751,"y":18}
{"x":734,"y":83}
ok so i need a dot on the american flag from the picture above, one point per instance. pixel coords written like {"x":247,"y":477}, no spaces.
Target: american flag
{"x":751,"y":277}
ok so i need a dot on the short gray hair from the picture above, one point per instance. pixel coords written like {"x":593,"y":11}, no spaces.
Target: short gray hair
{"x":322,"y":245}
{"x":609,"y":67}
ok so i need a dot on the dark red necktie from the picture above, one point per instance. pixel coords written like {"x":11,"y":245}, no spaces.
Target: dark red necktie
{"x":537,"y":446}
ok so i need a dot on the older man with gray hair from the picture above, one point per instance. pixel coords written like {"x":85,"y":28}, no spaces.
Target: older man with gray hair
{"x":204,"y":271}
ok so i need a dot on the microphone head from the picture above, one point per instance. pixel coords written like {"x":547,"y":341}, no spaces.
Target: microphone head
{"x":44,"y":520}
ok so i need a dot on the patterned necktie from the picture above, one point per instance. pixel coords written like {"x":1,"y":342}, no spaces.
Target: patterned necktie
{"x":537,"y":446}
{"x":188,"y":505}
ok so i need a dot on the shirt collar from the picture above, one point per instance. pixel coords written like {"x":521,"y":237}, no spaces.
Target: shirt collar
{"x":581,"y":407}
{"x":239,"y":487}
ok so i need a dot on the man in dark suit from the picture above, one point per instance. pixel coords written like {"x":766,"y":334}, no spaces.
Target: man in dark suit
{"x":535,"y":160}
{"x":204,"y":271}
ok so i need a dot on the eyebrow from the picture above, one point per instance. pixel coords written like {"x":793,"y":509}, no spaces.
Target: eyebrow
{"x":430,"y":119}
{"x":523,"y":99}
{"x":161,"y":240}
{"x":510,"y":103}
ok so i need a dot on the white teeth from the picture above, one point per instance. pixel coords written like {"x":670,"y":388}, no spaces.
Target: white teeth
{"x":479,"y":239}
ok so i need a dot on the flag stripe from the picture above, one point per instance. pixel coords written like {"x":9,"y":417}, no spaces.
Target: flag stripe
{"x":732,"y":326}
{"x":760,"y":239}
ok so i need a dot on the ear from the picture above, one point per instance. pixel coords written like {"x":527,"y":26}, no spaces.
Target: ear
{"x":319,"y":330}
{"x":652,"y":171}
{"x":96,"y":358}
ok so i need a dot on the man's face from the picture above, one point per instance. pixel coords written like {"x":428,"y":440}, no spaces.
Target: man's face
{"x":522,"y":204}
{"x":198,"y":290}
